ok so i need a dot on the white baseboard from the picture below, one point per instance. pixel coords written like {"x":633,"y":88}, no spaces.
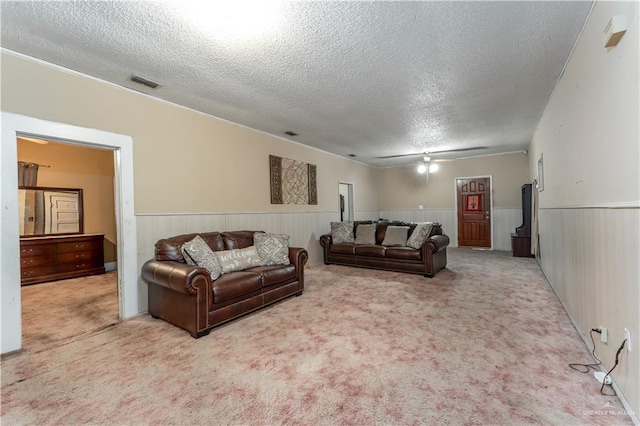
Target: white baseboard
{"x":110,"y":266}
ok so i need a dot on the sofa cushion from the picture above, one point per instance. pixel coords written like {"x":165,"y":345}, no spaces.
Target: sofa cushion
{"x":342,"y":232}
{"x":202,"y":255}
{"x":236,"y":284}
{"x":343,"y":248}
{"x":170,"y":248}
{"x":407,"y":253}
{"x":370,"y":250}
{"x":396,"y":236}
{"x":273,"y":249}
{"x":419,"y":235}
{"x":366,"y":234}
{"x":238,"y":259}
{"x":274,"y":274}
{"x":237,"y":239}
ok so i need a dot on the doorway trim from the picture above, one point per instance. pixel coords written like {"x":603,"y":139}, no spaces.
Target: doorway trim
{"x":352,"y":210}
{"x":455,"y":213}
{"x":14,"y":125}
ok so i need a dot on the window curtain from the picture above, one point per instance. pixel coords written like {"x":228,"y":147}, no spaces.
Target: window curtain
{"x":27,"y":174}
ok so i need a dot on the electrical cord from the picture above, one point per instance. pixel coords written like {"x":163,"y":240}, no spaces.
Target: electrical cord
{"x":612,"y":368}
{"x":584,"y":368}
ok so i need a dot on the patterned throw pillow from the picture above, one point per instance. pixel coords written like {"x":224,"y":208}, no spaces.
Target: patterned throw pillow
{"x":186,"y":256}
{"x":273,"y":249}
{"x":419,"y":235}
{"x":366,"y":234}
{"x":342,"y":233}
{"x":203,"y":256}
{"x":396,"y":236}
{"x":238,"y":259}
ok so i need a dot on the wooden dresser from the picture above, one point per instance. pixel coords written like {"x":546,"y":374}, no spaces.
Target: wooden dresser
{"x":60,"y":257}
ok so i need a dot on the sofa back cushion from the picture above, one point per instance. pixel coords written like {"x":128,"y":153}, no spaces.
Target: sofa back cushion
{"x":237,"y":239}
{"x":170,"y":248}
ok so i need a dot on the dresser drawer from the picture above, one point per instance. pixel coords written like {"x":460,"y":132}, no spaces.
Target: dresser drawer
{"x":32,"y":261}
{"x":37,"y":271}
{"x":37,"y":250}
{"x":78,"y":266}
{"x":86,"y":245}
{"x":77,"y":256}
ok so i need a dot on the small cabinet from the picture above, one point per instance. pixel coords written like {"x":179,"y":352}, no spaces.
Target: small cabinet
{"x":54,"y":258}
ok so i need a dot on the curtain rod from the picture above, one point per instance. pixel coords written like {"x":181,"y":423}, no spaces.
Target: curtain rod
{"x":39,"y":165}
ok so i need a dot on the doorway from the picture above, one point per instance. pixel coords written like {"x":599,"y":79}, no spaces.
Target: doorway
{"x":474,"y":211}
{"x":14,"y":125}
{"x":73,"y":193}
{"x":345,"y":191}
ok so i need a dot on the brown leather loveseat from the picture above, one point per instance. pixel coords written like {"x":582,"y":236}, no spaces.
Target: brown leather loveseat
{"x":430,"y":258}
{"x":186,"y":296}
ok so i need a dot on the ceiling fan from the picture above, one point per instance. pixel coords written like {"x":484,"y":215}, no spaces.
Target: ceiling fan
{"x":430,"y":153}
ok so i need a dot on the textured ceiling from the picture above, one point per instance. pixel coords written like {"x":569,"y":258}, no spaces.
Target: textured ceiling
{"x":365,"y":78}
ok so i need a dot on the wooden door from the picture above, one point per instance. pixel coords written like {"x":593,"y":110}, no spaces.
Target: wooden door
{"x":63,"y":209}
{"x":474,"y":212}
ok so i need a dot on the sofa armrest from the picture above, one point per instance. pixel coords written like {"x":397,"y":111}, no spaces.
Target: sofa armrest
{"x":176,"y":276}
{"x":325,"y":242}
{"x":435,"y":243}
{"x":298,"y":257}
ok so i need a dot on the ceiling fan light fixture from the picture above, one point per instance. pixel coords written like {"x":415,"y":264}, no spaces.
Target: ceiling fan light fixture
{"x":433,"y":168}
{"x":422,"y":169}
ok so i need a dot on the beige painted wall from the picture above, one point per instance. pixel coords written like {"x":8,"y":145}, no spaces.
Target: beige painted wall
{"x":589,"y":133}
{"x":403,"y":188}
{"x":590,"y":206}
{"x":79,"y":167}
{"x":184,"y":161}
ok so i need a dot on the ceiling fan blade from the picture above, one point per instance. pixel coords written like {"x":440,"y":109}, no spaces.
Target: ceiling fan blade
{"x":474,"y":148}
{"x":427,"y":153}
{"x":401,"y":155}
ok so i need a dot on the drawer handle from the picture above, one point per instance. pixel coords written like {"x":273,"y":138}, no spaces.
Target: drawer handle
{"x":79,"y":256}
{"x":27,"y":250}
{"x":79,"y":245}
{"x":80,"y":266}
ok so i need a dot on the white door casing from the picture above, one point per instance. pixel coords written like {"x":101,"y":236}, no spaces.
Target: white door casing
{"x":14,"y":125}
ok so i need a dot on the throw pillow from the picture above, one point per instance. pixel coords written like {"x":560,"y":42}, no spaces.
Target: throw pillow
{"x":238,"y":259}
{"x":419,"y":235}
{"x":342,"y":233}
{"x":273,"y":249}
{"x":366,"y":234}
{"x":186,"y":256}
{"x":396,"y":236}
{"x":203,"y":256}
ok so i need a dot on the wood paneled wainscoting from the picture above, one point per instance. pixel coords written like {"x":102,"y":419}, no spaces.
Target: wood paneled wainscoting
{"x":590,"y":257}
{"x":505,"y":220}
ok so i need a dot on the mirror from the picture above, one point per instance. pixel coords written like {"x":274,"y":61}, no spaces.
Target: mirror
{"x":49,"y":211}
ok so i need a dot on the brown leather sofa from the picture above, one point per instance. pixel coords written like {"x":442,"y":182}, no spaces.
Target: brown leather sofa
{"x":187,"y":297}
{"x":427,"y":261}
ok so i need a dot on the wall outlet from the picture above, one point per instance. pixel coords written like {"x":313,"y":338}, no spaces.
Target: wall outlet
{"x":627,"y":335}
{"x":420,"y":206}
{"x":604,"y":334}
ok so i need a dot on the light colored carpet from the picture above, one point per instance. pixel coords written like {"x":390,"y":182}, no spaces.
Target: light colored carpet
{"x":485,"y":342}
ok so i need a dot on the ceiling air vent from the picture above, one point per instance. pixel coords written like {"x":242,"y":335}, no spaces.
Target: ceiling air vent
{"x":290,"y":133}
{"x":144,"y":81}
